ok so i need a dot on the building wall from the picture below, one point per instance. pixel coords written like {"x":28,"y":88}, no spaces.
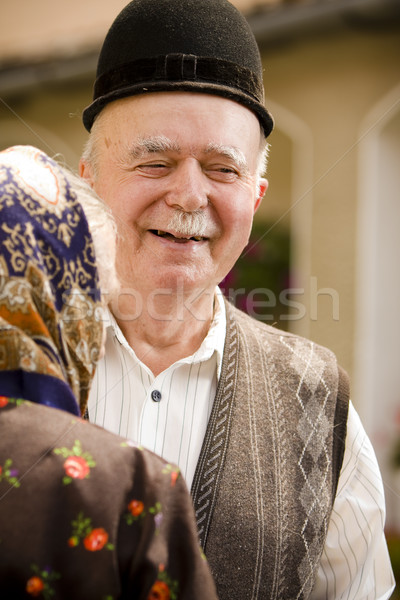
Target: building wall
{"x":336,"y":101}
{"x":328,"y":85}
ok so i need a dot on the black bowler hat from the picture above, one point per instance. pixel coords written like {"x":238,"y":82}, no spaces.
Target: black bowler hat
{"x":180,"y":45}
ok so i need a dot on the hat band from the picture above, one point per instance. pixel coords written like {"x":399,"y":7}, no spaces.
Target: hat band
{"x":180,"y":67}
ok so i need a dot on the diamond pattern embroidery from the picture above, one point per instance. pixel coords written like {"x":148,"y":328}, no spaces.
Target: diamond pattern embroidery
{"x":314,"y":463}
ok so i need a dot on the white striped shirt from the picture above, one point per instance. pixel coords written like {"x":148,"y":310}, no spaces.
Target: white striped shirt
{"x":121,"y":395}
{"x":355,"y":563}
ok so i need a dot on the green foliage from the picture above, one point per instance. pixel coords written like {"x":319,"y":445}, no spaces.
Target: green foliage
{"x":396,"y":454}
{"x":260,"y":275}
{"x":393,"y":542}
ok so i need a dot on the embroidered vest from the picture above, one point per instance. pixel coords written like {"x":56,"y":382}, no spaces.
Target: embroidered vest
{"x":268,"y":470}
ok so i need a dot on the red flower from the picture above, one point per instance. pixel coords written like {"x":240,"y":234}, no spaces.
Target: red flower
{"x":174,"y":477}
{"x":73,"y":541}
{"x":3,"y":401}
{"x":96,"y":539}
{"x":76,"y":467}
{"x":136,"y":507}
{"x":34,"y":586}
{"x":159,"y":591}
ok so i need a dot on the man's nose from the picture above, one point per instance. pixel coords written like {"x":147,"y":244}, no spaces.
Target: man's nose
{"x":189,"y":187}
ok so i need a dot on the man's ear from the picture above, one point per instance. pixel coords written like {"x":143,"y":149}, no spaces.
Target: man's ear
{"x":86,"y":171}
{"x":262,"y":188}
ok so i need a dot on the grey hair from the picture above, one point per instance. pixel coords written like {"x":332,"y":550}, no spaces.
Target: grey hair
{"x":90,"y":153}
{"x":103,"y":230}
{"x":262,"y":159}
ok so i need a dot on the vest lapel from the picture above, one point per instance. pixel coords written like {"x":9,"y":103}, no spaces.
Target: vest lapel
{"x":212,"y":458}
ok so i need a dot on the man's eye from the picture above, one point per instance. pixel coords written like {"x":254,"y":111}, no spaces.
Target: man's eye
{"x":152,"y":168}
{"x":221,"y":173}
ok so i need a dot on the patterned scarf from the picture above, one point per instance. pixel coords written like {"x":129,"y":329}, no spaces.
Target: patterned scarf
{"x":50,"y":327}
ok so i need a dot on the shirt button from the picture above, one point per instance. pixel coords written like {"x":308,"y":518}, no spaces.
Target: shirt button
{"x":156,"y":395}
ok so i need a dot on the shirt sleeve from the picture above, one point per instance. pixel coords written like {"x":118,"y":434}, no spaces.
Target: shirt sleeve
{"x":355,"y":562}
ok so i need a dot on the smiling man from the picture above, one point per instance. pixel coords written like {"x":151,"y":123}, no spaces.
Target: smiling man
{"x":287,"y":492}
{"x":184,"y":185}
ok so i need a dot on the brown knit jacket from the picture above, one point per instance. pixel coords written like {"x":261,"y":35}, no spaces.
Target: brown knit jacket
{"x":267,"y":475}
{"x":85,"y":516}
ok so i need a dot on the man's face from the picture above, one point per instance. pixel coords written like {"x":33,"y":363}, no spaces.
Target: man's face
{"x":166,"y":154}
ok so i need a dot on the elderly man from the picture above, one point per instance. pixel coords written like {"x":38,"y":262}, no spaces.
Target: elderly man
{"x":287,"y":492}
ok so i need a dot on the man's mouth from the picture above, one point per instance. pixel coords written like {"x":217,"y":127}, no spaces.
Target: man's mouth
{"x":179,"y":239}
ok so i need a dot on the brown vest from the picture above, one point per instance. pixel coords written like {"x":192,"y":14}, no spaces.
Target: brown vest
{"x":267,"y":475}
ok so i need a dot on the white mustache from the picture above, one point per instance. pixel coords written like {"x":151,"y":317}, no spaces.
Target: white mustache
{"x":188,"y":223}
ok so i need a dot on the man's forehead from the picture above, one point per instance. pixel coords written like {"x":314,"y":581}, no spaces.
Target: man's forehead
{"x":181,"y":122}
{"x":163,"y":105}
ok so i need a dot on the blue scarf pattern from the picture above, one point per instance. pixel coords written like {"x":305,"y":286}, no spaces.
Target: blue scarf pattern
{"x":50,"y":324}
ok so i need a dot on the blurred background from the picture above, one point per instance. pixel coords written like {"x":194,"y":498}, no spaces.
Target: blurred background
{"x":322,"y":259}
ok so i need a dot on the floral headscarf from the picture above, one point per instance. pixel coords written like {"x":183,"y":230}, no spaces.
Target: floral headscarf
{"x":50,"y":324}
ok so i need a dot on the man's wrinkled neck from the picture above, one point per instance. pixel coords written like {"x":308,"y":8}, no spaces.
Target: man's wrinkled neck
{"x":164,"y":327}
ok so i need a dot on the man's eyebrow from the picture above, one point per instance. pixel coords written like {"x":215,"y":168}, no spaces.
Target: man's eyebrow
{"x":160,"y":143}
{"x":230,"y":152}
{"x":152,"y":145}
